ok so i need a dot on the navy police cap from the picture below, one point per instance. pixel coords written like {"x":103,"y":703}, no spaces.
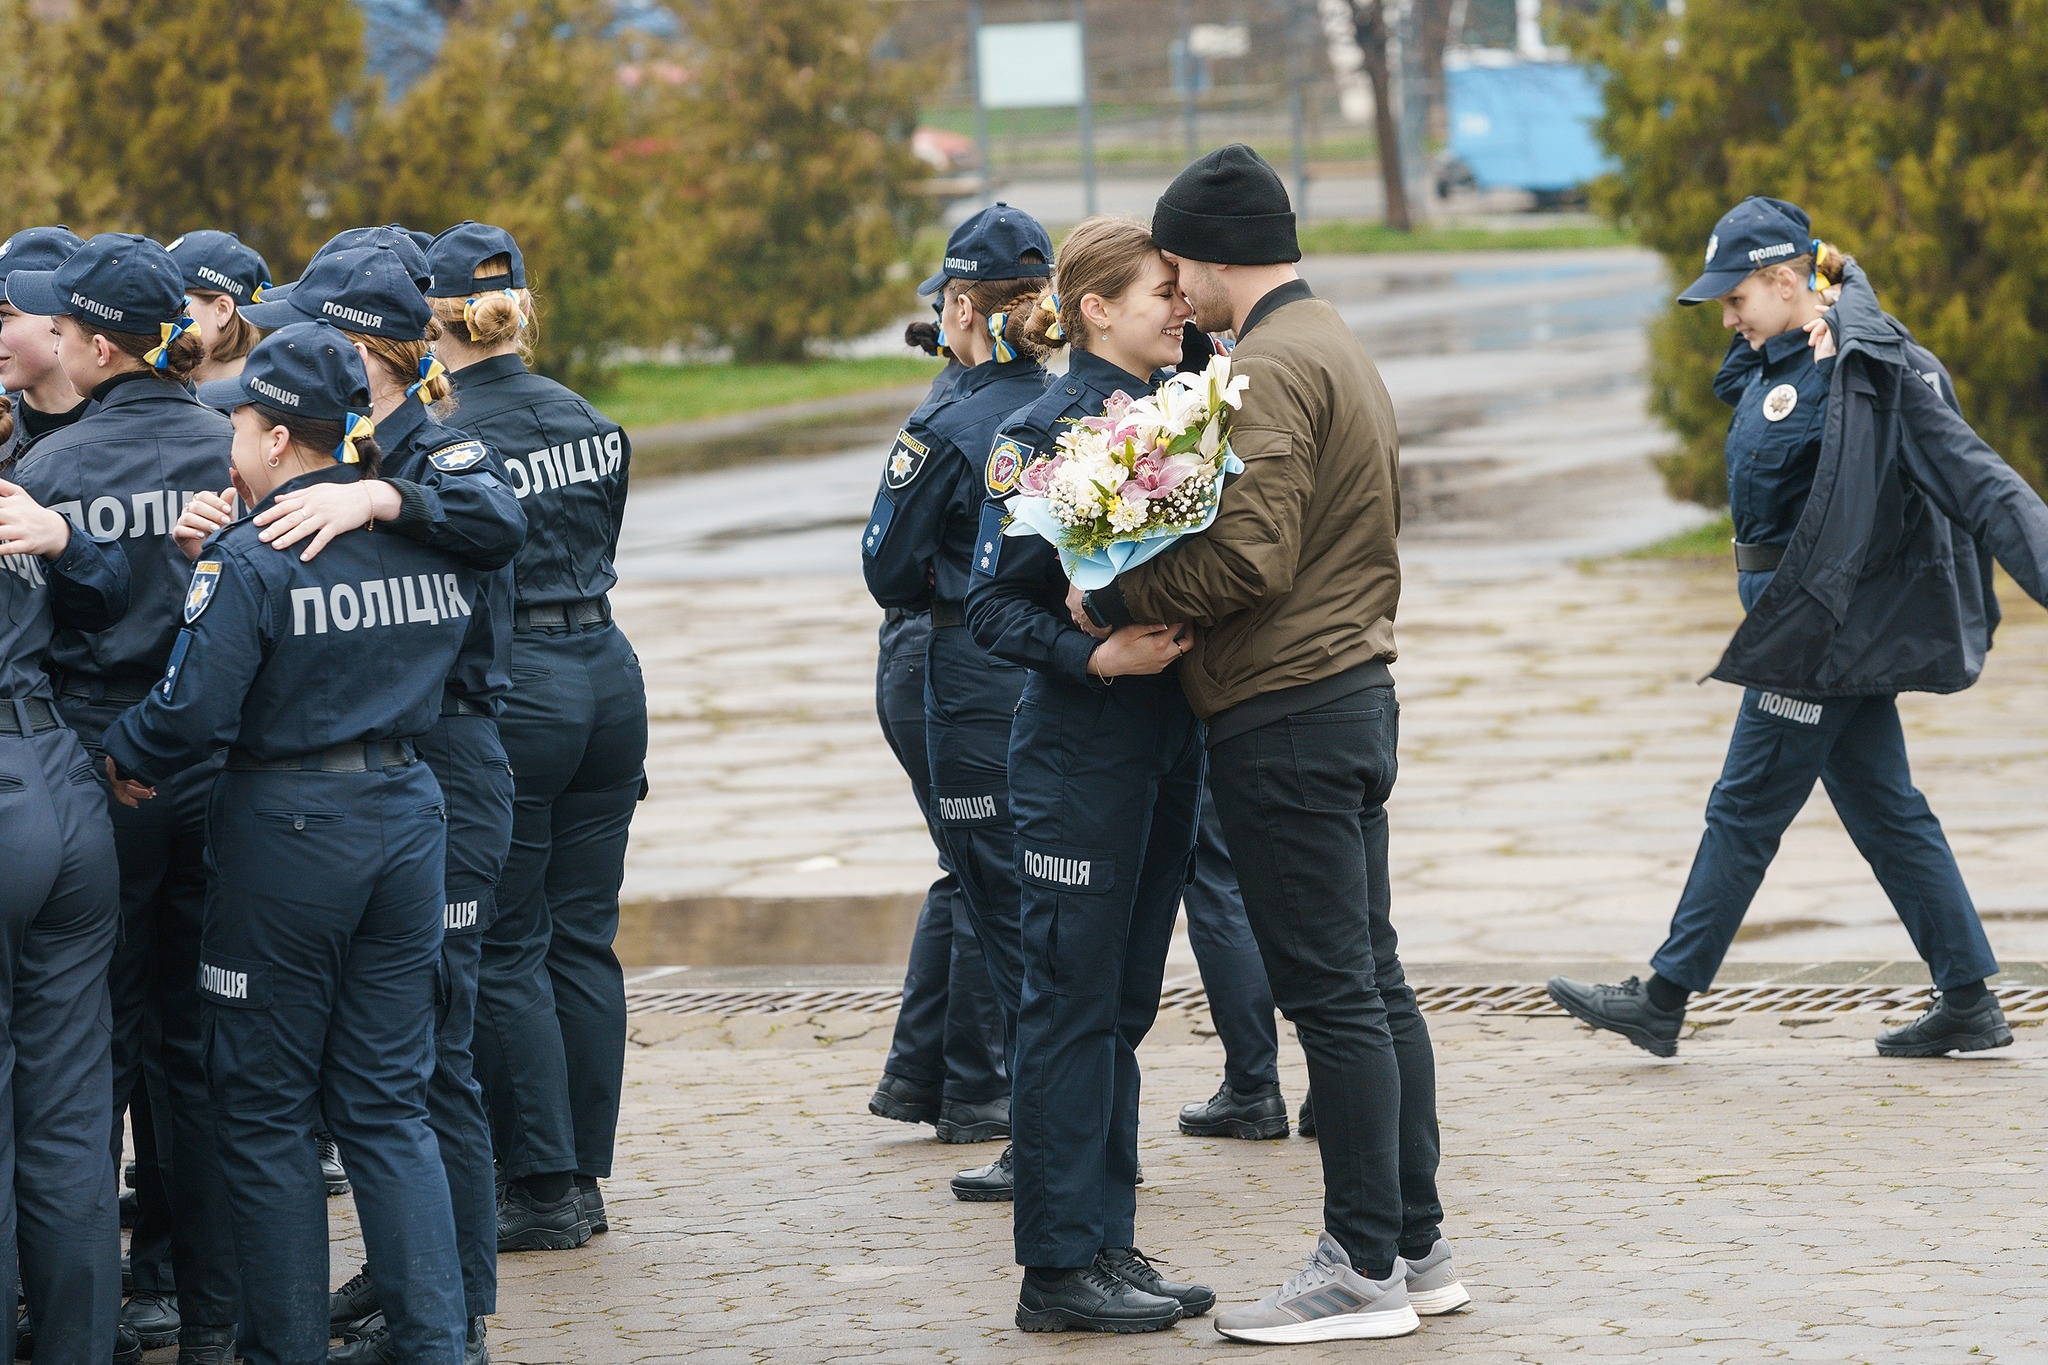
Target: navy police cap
{"x":458,"y":252}
{"x":992,"y":245}
{"x":216,"y":262}
{"x":402,"y":240}
{"x":119,"y":280}
{"x":1755,"y":233}
{"x":369,"y":290}
{"x":308,"y":369}
{"x":38,"y":248}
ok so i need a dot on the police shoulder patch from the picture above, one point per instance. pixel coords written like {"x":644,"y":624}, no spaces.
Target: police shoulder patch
{"x":458,"y":457}
{"x":205,"y":583}
{"x":1005,"y":463}
{"x":988,"y":540}
{"x":906,"y":459}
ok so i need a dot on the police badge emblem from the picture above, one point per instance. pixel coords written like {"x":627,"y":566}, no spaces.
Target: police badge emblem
{"x":456,"y":458}
{"x":906,"y":459}
{"x":1005,"y":463}
{"x":1779,"y":402}
{"x":205,"y":581}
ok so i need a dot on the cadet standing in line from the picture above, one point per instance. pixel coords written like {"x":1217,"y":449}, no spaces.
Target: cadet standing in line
{"x":916,"y":551}
{"x":442,"y":488}
{"x":222,"y":277}
{"x":124,"y":471}
{"x":945,"y":1065}
{"x":1894,"y":485}
{"x":551,"y":998}
{"x":1105,"y":787}
{"x":322,"y":941}
{"x":43,"y":398}
{"x":60,"y":908}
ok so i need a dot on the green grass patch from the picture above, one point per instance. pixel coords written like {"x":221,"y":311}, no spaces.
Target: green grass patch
{"x":651,"y":394}
{"x":1356,"y":238}
{"x":1702,"y":542}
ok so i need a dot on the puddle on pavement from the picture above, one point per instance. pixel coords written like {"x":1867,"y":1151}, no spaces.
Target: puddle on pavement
{"x":785,"y":440}
{"x":746,"y":931}
{"x":1778,"y":928}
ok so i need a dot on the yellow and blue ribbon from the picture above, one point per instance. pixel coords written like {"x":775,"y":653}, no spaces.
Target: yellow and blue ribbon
{"x":159,"y":355}
{"x":469,"y":311}
{"x":1005,"y":353}
{"x":1051,"y":303}
{"x":355,"y":427}
{"x":431,"y":369}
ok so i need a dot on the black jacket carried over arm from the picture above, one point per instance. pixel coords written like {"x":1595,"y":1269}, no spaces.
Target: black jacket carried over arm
{"x":1886,"y":584}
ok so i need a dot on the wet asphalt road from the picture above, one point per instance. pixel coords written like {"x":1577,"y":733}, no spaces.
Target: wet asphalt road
{"x":1516,"y":376}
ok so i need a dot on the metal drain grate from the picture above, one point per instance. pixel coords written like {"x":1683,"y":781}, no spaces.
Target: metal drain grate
{"x":2021,"y":1002}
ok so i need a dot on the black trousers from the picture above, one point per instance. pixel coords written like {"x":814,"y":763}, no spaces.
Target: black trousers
{"x":1303,"y":802}
{"x":949,"y":1033}
{"x":1233,"y":975}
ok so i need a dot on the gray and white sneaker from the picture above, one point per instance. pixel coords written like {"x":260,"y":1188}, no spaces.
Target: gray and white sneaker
{"x":1433,"y":1287}
{"x":1326,"y":1301}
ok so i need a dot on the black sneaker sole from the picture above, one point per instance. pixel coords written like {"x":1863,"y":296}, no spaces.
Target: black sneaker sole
{"x":1250,"y":1130}
{"x":1974,"y":1042}
{"x":1063,"y":1320}
{"x":155,"y":1341}
{"x":883,"y":1107}
{"x":992,"y":1130}
{"x":1642,"y":1038}
{"x":337,"y":1188}
{"x":355,"y":1329}
{"x":979,"y":1196}
{"x":545,"y":1239}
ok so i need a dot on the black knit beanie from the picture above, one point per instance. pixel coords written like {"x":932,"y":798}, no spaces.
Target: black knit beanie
{"x":1228,"y":208}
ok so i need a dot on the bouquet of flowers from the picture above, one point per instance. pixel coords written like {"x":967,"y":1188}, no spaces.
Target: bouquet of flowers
{"x":1120,"y":488}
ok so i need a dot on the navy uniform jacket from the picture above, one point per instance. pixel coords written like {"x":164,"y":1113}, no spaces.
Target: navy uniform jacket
{"x":85,"y":588}
{"x":941,"y":392}
{"x":567,"y":464}
{"x":921,"y":533}
{"x":286,"y":658}
{"x":1017,"y":608}
{"x":21,"y":440}
{"x":478,"y":520}
{"x":125,"y":472}
{"x":1780,"y":397}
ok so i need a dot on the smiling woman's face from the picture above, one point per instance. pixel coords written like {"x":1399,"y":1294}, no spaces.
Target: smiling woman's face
{"x":28,"y":349}
{"x":1140,"y":329}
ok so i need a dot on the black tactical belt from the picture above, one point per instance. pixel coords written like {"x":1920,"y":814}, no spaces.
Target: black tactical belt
{"x":563,"y":615}
{"x":101,"y":692}
{"x":462,"y":706}
{"x":949,"y":613}
{"x":1758,"y":558}
{"x":892,"y":615}
{"x":26,"y":716}
{"x":342,"y":758}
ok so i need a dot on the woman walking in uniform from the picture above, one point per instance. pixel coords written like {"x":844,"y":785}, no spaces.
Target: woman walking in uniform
{"x":443,"y":488}
{"x":1105,"y":768}
{"x":1893,"y":486}
{"x":323,"y":933}
{"x":551,"y":998}
{"x":60,"y":906}
{"x":916,"y":553}
{"x":945,"y":1064}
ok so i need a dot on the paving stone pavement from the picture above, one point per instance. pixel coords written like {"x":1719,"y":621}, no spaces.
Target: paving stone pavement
{"x":1776,"y":1193}
{"x":1557,"y":751}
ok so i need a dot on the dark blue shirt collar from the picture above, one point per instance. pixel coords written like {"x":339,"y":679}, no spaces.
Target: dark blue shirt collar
{"x":340,"y":473}
{"x":484,"y":371}
{"x":393,"y":430}
{"x":1785,"y":345}
{"x":1091,"y":371}
{"x":989,"y":371}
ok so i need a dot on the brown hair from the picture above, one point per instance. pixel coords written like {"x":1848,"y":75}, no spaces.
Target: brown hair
{"x":185,"y":353}
{"x":320,"y":437}
{"x":401,"y":360}
{"x":1103,"y":256}
{"x":236,"y":340}
{"x":924,"y":336}
{"x":6,"y":422}
{"x":493,"y":315}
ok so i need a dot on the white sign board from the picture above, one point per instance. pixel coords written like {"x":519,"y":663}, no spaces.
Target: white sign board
{"x":1030,"y":66}
{"x":1219,"y":40}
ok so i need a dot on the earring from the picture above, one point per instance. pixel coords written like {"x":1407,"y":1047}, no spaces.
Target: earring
{"x":273,"y":461}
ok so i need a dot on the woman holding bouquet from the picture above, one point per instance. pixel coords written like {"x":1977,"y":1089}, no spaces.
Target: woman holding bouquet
{"x":1105,"y":769}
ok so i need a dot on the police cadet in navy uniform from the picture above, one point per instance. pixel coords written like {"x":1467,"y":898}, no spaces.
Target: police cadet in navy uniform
{"x":1846,"y":448}
{"x":1105,"y":788}
{"x":915,"y":553}
{"x":42,"y":396}
{"x":60,"y":906}
{"x":321,"y":948}
{"x":125,"y":471}
{"x":444,"y":488}
{"x":551,"y":998}
{"x":945,"y":1065}
{"x":222,"y":278}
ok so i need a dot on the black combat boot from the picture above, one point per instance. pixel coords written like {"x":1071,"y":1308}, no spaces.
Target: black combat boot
{"x":351,"y":1308}
{"x":962,"y":1122}
{"x":593,"y":1205}
{"x":527,"y":1224}
{"x":1305,"y":1121}
{"x":152,"y":1317}
{"x":905,"y":1100}
{"x":1254,"y":1115}
{"x":1091,"y":1299}
{"x":1947,"y":1028}
{"x":206,"y":1345}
